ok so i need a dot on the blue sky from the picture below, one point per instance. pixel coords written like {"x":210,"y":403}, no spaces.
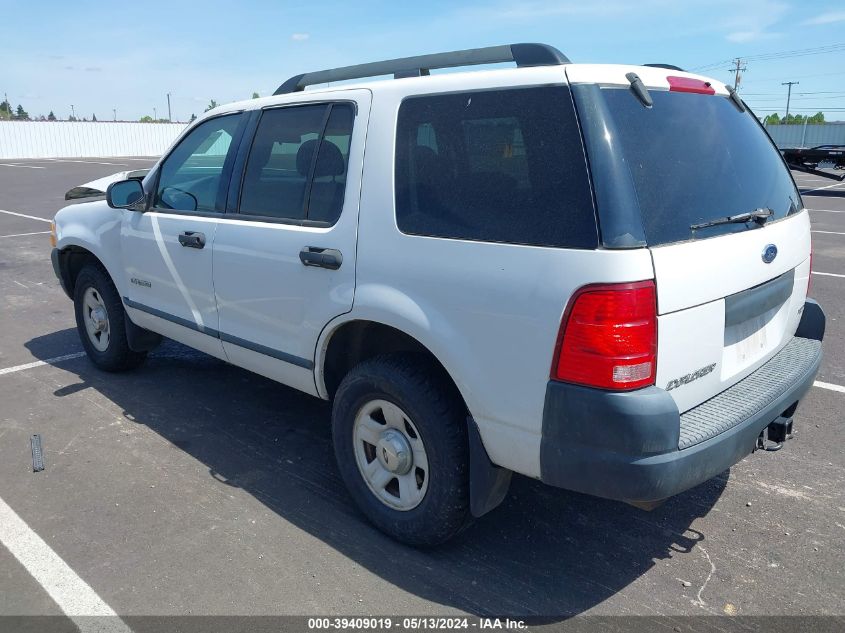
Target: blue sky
{"x":98,"y":56}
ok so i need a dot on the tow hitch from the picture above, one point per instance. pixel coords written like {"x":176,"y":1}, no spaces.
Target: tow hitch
{"x":773,"y":437}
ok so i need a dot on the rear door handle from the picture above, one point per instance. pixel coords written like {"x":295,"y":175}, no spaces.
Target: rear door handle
{"x":192,"y":239}
{"x":321,"y":257}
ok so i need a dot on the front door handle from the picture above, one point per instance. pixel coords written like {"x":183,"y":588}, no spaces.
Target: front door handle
{"x":192,"y":239}
{"x":321,"y":257}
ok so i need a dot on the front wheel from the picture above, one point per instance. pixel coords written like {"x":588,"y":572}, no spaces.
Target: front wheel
{"x":100,"y":321}
{"x":400,"y":439}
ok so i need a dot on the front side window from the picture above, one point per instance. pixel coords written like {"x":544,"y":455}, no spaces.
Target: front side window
{"x":296,"y":169}
{"x":497,"y":166}
{"x":191,"y":177}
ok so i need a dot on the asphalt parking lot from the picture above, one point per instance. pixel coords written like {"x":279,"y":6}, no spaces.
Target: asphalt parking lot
{"x":193,"y":487}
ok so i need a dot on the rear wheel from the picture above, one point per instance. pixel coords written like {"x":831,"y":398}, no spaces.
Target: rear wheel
{"x":400,"y":439}
{"x":100,"y":321}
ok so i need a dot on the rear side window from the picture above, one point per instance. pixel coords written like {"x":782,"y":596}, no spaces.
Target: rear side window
{"x":296,"y":169}
{"x":497,"y":166}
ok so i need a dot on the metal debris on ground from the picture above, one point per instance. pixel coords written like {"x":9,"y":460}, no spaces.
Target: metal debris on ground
{"x":37,"y":455}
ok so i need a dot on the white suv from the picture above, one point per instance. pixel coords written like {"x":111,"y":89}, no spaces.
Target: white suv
{"x":592,"y":275}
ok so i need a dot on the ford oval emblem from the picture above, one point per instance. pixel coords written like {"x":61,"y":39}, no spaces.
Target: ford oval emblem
{"x":769,"y":253}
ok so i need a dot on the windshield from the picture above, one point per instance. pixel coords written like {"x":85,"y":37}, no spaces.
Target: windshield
{"x":693,"y":158}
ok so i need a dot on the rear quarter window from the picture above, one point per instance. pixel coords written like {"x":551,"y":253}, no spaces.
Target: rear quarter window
{"x":497,"y":166}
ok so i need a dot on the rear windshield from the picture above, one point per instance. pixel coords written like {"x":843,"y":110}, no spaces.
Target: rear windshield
{"x":694,"y":158}
{"x":495,"y":166}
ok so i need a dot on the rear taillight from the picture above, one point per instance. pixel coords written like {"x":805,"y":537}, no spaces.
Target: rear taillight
{"x":688,"y":84}
{"x":608,"y":337}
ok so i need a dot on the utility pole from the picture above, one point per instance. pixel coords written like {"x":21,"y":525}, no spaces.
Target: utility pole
{"x":737,"y":69}
{"x":169,"y":116}
{"x":155,"y":114}
{"x":72,"y":112}
{"x":789,"y":96}
{"x":114,"y":111}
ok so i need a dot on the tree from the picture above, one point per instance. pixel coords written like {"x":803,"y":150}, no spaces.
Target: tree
{"x":146,"y":119}
{"x":21,"y":114}
{"x":93,"y":117}
{"x":211,"y":105}
{"x":817,"y":118}
{"x":51,"y":116}
{"x":255,"y":95}
{"x":5,"y":110}
{"x":772,"y":119}
{"x":193,"y":118}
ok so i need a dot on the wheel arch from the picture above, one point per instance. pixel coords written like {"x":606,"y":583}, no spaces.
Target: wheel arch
{"x":351,"y":339}
{"x":354,"y":340}
{"x":71,"y":260}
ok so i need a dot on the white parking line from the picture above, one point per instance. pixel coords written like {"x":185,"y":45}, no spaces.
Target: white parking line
{"x":828,"y":274}
{"x":37,"y":233}
{"x":88,"y":162}
{"x":838,"y":184}
{"x":831,"y":387}
{"x":73,"y":595}
{"x":829,"y":232}
{"x":25,"y":166}
{"x":39,"y":363}
{"x":828,"y":210}
{"x":24,"y":215}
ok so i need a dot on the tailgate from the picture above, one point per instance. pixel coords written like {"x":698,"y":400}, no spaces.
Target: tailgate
{"x":723,"y":310}
{"x":685,"y":169}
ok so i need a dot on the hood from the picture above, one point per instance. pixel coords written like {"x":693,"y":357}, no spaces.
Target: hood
{"x":98,"y":187}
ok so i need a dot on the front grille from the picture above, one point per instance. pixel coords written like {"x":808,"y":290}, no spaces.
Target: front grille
{"x":750,"y":395}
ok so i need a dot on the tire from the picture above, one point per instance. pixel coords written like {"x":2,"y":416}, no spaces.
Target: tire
{"x":108,"y":348}
{"x":433,"y":418}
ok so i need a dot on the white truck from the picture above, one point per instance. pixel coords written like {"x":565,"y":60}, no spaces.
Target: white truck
{"x":592,"y":275}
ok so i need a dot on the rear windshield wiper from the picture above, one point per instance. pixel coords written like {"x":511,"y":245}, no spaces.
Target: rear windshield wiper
{"x":758,"y":215}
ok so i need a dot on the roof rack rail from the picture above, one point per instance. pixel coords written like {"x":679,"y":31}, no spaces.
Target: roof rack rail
{"x":666,"y":66}
{"x":420,"y":65}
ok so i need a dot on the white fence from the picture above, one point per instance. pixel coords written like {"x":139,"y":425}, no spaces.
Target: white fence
{"x":809,"y":135}
{"x":65,"y":139}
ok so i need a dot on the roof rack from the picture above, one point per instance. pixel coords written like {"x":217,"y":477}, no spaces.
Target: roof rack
{"x":666,"y":66}
{"x":522,"y":54}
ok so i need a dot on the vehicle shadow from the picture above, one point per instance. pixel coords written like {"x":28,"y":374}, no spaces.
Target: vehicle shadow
{"x":545,"y":553}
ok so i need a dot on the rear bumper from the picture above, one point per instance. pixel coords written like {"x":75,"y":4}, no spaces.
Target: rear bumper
{"x":626,"y":445}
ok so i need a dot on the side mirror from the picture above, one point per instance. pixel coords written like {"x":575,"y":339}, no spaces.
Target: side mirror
{"x":125,"y":194}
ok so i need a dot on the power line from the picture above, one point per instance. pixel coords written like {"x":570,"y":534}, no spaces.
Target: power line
{"x":818,"y":92}
{"x":821,"y":50}
{"x":802,"y":52}
{"x":813,"y":76}
{"x":780,"y":97}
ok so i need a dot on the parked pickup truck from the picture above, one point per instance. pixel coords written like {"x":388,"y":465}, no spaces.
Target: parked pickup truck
{"x":592,"y":275}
